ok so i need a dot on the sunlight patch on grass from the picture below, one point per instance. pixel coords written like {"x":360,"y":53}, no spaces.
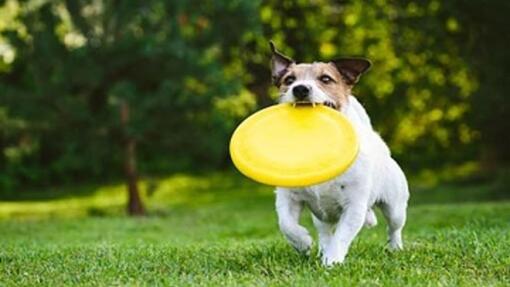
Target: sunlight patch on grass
{"x":103,"y":197}
{"x":174,"y":190}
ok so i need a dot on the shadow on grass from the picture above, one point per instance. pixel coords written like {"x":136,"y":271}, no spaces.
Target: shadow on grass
{"x":55,"y":192}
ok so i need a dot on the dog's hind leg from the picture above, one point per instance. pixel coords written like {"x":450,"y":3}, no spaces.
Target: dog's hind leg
{"x":394,"y":204}
{"x":289,"y":209}
{"x":395,"y":214}
{"x":370,"y":218}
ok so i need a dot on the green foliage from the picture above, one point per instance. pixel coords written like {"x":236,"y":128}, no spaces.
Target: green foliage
{"x":222,"y":230}
{"x":418,"y":91}
{"x":191,"y":70}
{"x":75,"y":61}
{"x":484,"y":38}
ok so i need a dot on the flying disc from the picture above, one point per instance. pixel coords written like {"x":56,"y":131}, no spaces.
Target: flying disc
{"x":294,"y":146}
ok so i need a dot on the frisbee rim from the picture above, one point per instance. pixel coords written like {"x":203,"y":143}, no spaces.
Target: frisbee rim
{"x":259,"y":174}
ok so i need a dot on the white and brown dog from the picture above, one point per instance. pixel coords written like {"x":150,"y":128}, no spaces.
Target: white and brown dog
{"x":340,"y":207}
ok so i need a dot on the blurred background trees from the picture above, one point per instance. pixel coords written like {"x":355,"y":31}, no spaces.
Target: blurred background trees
{"x":189,"y":71}
{"x":73,"y":64}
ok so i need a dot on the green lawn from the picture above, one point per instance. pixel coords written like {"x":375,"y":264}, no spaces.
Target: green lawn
{"x":221,"y":230}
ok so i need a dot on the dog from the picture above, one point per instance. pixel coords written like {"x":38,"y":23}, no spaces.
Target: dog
{"x":342,"y":206}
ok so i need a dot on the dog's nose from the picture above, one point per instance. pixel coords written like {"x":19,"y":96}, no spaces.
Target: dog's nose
{"x":301,"y":92}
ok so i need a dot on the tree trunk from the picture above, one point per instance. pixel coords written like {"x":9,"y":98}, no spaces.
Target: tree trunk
{"x":135,"y":206}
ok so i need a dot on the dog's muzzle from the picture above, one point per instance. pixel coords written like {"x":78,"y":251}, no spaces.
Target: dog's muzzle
{"x":301,"y":92}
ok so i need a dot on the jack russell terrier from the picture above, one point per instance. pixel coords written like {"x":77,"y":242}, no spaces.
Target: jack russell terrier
{"x":341,"y":206}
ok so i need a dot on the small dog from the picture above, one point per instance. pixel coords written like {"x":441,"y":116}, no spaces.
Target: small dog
{"x":340,"y":207}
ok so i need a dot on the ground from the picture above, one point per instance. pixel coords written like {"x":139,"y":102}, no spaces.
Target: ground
{"x":221,"y":230}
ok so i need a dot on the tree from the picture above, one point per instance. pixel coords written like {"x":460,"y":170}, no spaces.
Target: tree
{"x":189,"y":71}
{"x":483,"y":34}
{"x":100,"y":83}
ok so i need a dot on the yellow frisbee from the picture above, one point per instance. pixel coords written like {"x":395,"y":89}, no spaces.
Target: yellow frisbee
{"x":293,"y":146}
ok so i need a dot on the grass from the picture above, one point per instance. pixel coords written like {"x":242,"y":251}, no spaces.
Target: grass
{"x":221,"y":230}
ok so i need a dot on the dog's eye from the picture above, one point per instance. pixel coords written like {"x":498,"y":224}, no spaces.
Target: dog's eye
{"x":289,"y":80}
{"x":326,"y":79}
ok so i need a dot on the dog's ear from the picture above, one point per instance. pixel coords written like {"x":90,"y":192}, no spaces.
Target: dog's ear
{"x":279,"y":64}
{"x":351,"y":68}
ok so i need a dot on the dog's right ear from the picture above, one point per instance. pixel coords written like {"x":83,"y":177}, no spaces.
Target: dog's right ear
{"x":279,"y":64}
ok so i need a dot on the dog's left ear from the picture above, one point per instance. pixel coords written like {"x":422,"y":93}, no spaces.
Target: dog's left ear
{"x":352,"y":68}
{"x":279,"y":64}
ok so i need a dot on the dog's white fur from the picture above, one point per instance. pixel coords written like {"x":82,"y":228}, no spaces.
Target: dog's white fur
{"x":341,"y":206}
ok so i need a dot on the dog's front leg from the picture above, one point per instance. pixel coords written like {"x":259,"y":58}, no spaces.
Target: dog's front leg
{"x":289,"y":209}
{"x":325,"y":231}
{"x":350,"y":223}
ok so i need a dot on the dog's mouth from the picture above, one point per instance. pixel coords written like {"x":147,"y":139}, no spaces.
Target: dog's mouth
{"x":331,"y":105}
{"x":328,"y":104}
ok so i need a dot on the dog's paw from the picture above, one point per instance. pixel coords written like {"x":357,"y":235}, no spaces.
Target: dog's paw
{"x":323,"y":245}
{"x":331,"y":261}
{"x":333,"y":256}
{"x":303,"y":244}
{"x":298,"y":237}
{"x":304,"y":251}
{"x":395,"y":245}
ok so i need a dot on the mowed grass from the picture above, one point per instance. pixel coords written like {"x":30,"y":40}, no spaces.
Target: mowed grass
{"x":221,"y":230}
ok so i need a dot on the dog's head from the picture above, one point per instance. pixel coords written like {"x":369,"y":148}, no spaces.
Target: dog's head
{"x":318,"y":82}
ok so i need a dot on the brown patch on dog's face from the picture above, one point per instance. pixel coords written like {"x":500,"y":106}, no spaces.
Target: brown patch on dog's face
{"x":324,"y":76}
{"x":318,"y":82}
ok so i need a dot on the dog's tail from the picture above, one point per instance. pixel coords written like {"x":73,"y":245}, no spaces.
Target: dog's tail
{"x":370,"y":218}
